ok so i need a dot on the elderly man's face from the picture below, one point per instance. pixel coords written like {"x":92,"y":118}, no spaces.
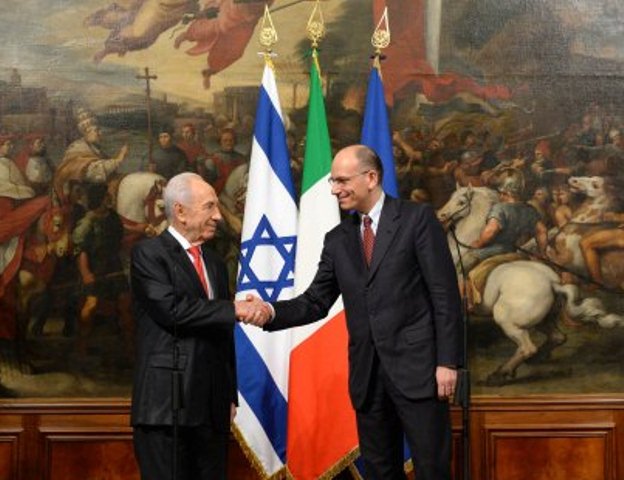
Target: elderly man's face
{"x":199,"y":218}
{"x":93,"y":135}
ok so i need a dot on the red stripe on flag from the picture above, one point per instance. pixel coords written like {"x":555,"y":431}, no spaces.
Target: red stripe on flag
{"x":321,"y":420}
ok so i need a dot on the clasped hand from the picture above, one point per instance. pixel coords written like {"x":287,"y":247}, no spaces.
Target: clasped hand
{"x":252,"y":311}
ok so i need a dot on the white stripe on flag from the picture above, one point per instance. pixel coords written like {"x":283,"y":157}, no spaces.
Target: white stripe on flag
{"x":319,"y":214}
{"x":256,"y":437}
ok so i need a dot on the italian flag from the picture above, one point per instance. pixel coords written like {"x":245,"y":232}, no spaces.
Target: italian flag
{"x":322,"y":435}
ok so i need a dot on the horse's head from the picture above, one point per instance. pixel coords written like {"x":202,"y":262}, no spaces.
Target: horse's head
{"x":155,"y":205}
{"x":457,"y":207}
{"x":53,"y":222}
{"x":592,"y":187}
{"x":53,"y":226}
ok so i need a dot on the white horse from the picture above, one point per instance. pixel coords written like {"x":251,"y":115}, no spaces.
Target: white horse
{"x":588,"y":219}
{"x":520,"y":295}
{"x":139,"y":203}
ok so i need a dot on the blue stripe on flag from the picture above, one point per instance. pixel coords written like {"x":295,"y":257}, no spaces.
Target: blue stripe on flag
{"x":259,"y":390}
{"x":376,"y":131}
{"x":268,"y":129}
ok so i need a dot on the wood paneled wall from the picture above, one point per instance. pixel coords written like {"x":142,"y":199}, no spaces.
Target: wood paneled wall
{"x":536,"y":438}
{"x":559,"y":438}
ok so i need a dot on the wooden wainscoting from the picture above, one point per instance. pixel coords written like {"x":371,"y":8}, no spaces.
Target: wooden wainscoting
{"x":532,"y":438}
{"x":548,"y":438}
{"x":76,"y":440}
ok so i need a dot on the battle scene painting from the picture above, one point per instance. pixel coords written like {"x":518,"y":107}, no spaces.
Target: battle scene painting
{"x":507,"y":116}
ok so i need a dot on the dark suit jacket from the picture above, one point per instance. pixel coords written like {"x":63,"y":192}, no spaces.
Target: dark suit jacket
{"x":167,"y":291}
{"x":406,"y":306}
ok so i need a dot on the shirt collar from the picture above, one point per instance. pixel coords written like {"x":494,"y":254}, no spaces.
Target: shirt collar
{"x":375,"y":212}
{"x":179,"y":238}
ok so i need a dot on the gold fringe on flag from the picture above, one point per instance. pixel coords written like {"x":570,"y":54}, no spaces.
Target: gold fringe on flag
{"x":346,"y":461}
{"x":281,"y":474}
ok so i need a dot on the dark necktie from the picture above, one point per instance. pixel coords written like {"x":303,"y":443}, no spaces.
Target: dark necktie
{"x":195,"y":252}
{"x":368,"y":239}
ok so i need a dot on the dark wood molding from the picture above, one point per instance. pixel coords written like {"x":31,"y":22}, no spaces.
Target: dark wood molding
{"x":511,"y":437}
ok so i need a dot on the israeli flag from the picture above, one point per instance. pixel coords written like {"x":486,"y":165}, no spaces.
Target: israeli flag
{"x":266,"y":269}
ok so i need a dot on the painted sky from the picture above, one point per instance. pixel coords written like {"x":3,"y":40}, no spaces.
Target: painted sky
{"x":47,"y":41}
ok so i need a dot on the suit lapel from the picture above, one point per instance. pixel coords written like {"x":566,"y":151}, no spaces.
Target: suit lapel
{"x":354,"y":243}
{"x":388,"y":226}
{"x":181,"y":258}
{"x":211,"y":272}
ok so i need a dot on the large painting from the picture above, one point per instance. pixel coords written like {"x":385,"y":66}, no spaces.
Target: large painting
{"x":508,"y":117}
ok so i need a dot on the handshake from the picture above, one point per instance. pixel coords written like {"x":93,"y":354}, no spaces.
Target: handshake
{"x":253,"y":311}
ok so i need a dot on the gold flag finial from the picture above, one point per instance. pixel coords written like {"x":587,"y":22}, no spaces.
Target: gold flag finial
{"x":381,"y":35}
{"x":316,"y":25}
{"x":268,"y":34}
{"x":267,"y":37}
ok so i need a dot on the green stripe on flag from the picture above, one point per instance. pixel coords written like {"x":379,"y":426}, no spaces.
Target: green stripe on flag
{"x":318,"y":156}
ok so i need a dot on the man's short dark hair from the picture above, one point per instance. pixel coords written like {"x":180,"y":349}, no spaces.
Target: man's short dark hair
{"x":165,"y":129}
{"x":369,"y":160}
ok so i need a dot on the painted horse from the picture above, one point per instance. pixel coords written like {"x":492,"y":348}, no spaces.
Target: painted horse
{"x":138,"y":201}
{"x":520,"y":295}
{"x":590,"y":236}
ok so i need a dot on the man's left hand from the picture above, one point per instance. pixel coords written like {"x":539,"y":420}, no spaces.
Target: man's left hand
{"x":446,"y":379}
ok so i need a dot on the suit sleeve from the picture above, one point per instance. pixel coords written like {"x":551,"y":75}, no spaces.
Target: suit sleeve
{"x":438,"y":271}
{"x":314,"y":303}
{"x":232,"y":365}
{"x":156,"y":283}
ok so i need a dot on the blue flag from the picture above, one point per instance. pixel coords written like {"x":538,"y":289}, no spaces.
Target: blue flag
{"x":376,"y":130}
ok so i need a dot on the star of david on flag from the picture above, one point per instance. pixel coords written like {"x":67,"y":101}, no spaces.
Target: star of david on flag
{"x":263,"y":245}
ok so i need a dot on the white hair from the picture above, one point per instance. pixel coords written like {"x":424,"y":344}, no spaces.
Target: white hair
{"x":178,"y":190}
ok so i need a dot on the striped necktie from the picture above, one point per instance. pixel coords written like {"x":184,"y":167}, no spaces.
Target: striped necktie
{"x":368,"y":239}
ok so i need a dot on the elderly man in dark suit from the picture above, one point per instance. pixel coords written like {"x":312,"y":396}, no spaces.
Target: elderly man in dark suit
{"x":184,"y":337}
{"x":390,"y":261}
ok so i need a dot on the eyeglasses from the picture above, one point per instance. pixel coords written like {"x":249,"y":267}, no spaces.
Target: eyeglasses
{"x":342,"y":181}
